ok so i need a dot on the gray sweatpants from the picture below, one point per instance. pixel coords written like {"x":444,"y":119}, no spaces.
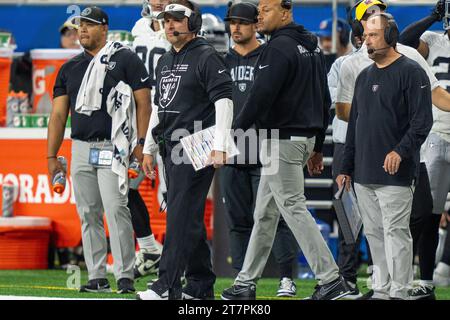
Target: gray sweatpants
{"x":281,"y":190}
{"x":97,"y":191}
{"x":437,"y":159}
{"x":385,"y":212}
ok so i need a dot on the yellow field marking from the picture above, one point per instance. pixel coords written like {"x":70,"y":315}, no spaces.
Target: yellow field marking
{"x":36,"y":287}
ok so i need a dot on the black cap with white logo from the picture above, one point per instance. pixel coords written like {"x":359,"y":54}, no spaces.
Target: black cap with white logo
{"x":93,"y":14}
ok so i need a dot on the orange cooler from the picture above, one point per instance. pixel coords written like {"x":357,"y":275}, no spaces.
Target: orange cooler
{"x":24,"y":243}
{"x":46,"y":65}
{"x":5,"y":74}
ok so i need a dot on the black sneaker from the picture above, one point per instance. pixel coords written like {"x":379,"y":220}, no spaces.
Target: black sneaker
{"x":96,"y":286}
{"x":125,"y":285}
{"x":191,"y":293}
{"x":354,"y":294}
{"x":422,"y":292}
{"x":367,"y":296}
{"x":146,"y":263}
{"x":331,"y":291}
{"x":239,"y":293}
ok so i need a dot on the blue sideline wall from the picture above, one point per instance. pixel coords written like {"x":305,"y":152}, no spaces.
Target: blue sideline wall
{"x":37,"y":26}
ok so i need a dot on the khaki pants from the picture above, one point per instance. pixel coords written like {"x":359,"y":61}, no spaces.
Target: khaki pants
{"x":97,"y":191}
{"x":386,"y":211}
{"x":282,"y":191}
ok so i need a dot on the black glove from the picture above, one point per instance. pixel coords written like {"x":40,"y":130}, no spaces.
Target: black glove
{"x":439,"y":10}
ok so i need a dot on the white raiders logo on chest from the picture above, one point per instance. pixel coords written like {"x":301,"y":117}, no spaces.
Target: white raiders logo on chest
{"x":168,"y":87}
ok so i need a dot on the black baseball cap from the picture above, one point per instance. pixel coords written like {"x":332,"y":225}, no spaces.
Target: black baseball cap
{"x":245,"y":11}
{"x":93,"y":14}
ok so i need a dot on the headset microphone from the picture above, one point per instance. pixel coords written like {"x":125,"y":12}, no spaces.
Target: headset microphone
{"x":371,"y":51}
{"x":177,"y":33}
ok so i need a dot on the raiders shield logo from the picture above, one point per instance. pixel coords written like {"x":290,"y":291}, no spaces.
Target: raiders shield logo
{"x":242,"y":87}
{"x":168,"y":87}
{"x":375,"y":87}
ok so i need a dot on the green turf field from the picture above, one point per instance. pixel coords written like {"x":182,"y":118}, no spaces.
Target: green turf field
{"x":53,"y":283}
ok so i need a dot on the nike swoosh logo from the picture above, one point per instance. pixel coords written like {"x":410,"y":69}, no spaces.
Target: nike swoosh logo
{"x":262,"y":67}
{"x":240,"y":290}
{"x":222,"y":71}
{"x":145,"y":79}
{"x":422,"y":87}
{"x":324,"y":290}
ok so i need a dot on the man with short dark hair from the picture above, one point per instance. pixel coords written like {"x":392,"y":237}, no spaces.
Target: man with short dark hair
{"x":389,"y":120}
{"x":96,"y":86}
{"x":239,"y":181}
{"x":290,"y":97}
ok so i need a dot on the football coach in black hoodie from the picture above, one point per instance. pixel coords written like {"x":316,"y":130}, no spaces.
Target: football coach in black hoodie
{"x":289,"y":96}
{"x":239,"y":181}
{"x":193,"y":87}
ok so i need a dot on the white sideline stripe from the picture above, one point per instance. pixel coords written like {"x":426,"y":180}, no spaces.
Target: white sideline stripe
{"x":50,"y":298}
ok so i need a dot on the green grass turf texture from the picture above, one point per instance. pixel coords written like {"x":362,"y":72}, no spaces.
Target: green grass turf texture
{"x":53,"y":283}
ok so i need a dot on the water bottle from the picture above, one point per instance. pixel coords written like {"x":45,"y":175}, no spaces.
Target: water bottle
{"x":12,"y":108}
{"x":59,"y":180}
{"x":7,"y":194}
{"x":24,"y":102}
{"x":134,"y":169}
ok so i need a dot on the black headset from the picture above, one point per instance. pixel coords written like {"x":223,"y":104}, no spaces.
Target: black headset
{"x":355,"y":24}
{"x":391,"y":32}
{"x":286,"y":4}
{"x":195,"y":20}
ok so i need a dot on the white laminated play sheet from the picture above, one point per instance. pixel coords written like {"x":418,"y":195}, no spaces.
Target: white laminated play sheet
{"x":198,"y":147}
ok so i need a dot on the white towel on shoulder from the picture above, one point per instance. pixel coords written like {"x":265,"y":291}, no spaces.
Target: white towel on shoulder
{"x":122,"y":109}
{"x":89,"y":96}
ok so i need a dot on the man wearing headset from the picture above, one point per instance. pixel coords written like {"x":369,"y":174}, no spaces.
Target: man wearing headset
{"x":389,"y":120}
{"x":352,"y":67}
{"x":290,"y":94}
{"x":239,"y":181}
{"x":193,"y":89}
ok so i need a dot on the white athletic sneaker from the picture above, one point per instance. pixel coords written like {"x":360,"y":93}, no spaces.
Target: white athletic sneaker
{"x":441,"y":276}
{"x":287,"y":288}
{"x":147,"y":263}
{"x":151,"y":295}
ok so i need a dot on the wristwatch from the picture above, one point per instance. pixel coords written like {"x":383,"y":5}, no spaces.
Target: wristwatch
{"x":141,"y":141}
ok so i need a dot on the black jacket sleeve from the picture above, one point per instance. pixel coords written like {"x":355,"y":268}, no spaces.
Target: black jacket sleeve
{"x":271,"y":71}
{"x":411,"y":34}
{"x":348,"y":162}
{"x":320,"y":137}
{"x":215,"y":76}
{"x":418,"y":98}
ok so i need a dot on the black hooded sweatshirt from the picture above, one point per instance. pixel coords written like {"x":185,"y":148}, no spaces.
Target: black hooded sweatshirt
{"x":290,"y":91}
{"x":188,"y":83}
{"x":242,"y":73}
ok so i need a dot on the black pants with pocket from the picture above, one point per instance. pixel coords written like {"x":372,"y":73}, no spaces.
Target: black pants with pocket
{"x":185,"y":245}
